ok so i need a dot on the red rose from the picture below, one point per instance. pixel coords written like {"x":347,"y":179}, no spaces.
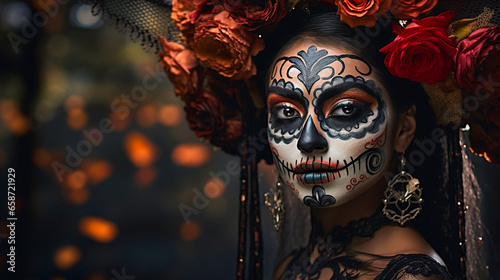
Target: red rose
{"x":211,"y":119}
{"x":179,"y":64}
{"x":409,"y":9}
{"x":361,"y":12}
{"x":256,"y":17}
{"x":422,"y":52}
{"x":226,"y":46}
{"x":478,"y":61}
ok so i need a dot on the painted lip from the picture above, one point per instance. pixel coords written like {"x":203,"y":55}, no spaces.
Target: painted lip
{"x":316,"y":177}
{"x":316,"y":166}
{"x":316,"y":171}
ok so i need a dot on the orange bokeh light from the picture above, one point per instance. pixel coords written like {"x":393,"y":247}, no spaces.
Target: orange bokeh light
{"x":140,"y":150}
{"x":77,"y":119}
{"x":14,"y":120}
{"x":214,"y":188}
{"x":191,"y":154}
{"x":76,"y":180}
{"x":77,"y":196}
{"x":66,"y":257}
{"x":8,"y":110}
{"x":74,"y":102}
{"x":19,"y":125}
{"x":42,"y":157}
{"x":145,"y":176}
{"x":98,"y":229}
{"x":190,"y":231}
{"x":170,"y":115}
{"x":97,"y":276}
{"x":146,"y":116}
{"x":120,"y":120}
{"x":98,"y":171}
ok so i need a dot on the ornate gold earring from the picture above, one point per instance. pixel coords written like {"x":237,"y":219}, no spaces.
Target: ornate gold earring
{"x":403,"y":196}
{"x":276,"y":206}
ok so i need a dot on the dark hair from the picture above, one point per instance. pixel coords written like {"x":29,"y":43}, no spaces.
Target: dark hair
{"x":324,"y":27}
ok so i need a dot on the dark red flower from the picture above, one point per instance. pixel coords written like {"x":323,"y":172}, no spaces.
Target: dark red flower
{"x":209,"y":118}
{"x":422,"y":52}
{"x":478,"y":61}
{"x":205,"y":114}
{"x":253,"y":16}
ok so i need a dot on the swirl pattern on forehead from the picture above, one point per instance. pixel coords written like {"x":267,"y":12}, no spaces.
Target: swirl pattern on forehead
{"x":311,"y":63}
{"x":354,"y":131}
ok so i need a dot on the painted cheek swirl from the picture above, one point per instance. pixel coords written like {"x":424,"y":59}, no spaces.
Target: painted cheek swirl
{"x":356,"y":119}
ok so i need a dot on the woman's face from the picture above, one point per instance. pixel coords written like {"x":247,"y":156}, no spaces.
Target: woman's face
{"x":329,"y":124}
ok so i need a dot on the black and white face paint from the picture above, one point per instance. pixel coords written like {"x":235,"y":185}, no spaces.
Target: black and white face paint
{"x":328,"y":124}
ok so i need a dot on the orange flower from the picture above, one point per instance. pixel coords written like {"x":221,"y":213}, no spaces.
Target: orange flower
{"x":179,"y":64}
{"x":361,"y":12}
{"x":226,"y":46}
{"x":409,"y":9}
{"x":180,"y":14}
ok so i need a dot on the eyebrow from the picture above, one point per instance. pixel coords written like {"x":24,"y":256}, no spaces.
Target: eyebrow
{"x":291,"y":94}
{"x":343,"y":87}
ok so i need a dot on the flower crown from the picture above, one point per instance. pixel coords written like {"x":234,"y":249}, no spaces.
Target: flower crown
{"x":457,"y":63}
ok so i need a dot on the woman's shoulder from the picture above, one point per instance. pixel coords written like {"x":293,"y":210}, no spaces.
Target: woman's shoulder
{"x":392,"y":240}
{"x":414,"y":267}
{"x":412,"y":257}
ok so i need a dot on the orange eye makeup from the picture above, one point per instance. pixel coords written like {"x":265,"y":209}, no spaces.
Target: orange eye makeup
{"x":352,"y":97}
{"x":275,"y":101}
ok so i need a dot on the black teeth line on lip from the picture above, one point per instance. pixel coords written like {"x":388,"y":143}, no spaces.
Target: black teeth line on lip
{"x":354,"y":167}
{"x":345,"y":164}
{"x":287,"y":167}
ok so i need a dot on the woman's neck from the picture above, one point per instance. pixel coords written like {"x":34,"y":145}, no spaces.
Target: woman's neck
{"x":360,"y":207}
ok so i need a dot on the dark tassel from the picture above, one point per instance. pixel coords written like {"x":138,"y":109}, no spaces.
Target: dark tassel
{"x":256,"y":242}
{"x":242,"y":231}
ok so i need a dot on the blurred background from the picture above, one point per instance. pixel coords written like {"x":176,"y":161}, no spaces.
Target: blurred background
{"x":110,"y":181}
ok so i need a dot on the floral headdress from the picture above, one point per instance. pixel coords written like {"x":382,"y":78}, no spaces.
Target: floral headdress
{"x":457,"y":63}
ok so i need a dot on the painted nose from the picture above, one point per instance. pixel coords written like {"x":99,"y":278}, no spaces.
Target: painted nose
{"x":310,"y":139}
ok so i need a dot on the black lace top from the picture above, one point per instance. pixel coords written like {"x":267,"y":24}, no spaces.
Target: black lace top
{"x":327,"y":257}
{"x":362,"y":266}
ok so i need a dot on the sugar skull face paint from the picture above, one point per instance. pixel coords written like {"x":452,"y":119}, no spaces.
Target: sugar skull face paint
{"x":328,"y":123}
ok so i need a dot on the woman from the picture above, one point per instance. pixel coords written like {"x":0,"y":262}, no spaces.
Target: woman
{"x":337,"y":121}
{"x":342,"y":117}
